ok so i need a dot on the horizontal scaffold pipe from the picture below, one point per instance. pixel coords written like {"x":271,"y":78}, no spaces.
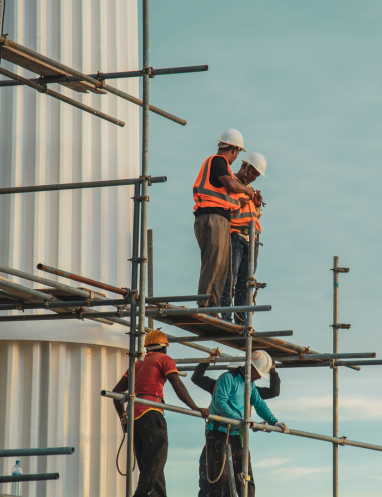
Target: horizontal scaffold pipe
{"x":209,"y":360}
{"x":54,"y":451}
{"x":322,"y":364}
{"x":206,"y":310}
{"x":324,"y":357}
{"x":62,"y":98}
{"x":120,"y":313}
{"x":124,"y":398}
{"x":229,"y":336}
{"x":36,"y":477}
{"x":255,"y":426}
{"x":109,"y":75}
{"x":83,"y":77}
{"x":77,"y":186}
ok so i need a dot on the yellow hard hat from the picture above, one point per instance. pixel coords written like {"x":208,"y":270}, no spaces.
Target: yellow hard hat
{"x":156,"y":337}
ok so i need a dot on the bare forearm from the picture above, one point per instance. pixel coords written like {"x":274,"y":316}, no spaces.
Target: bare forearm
{"x":118,"y":407}
{"x":184,"y":396}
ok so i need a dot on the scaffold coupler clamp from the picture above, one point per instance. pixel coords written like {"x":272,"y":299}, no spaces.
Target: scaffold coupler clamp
{"x":128,"y":396}
{"x":251,"y":282}
{"x":101,"y":78}
{"x":343,"y":443}
{"x":332,"y":364}
{"x":340,"y":269}
{"x":80,"y":312}
{"x":90,"y":298}
{"x":145,"y":177}
{"x":246,"y":330}
{"x":20,"y":305}
{"x":340,"y":326}
{"x":135,"y":354}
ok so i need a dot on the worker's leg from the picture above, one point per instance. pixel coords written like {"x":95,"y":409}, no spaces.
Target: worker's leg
{"x":233,"y":269}
{"x":216,"y":442}
{"x":204,"y":486}
{"x":212,"y":233}
{"x":152,"y":430}
{"x":237,"y":456}
{"x":241,"y":284}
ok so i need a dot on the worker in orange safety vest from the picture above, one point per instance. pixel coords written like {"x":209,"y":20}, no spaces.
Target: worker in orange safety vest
{"x":216,"y":194}
{"x":253,"y":166}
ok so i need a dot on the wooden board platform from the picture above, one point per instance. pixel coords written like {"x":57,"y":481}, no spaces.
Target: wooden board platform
{"x":43,"y":69}
{"x":205,"y":325}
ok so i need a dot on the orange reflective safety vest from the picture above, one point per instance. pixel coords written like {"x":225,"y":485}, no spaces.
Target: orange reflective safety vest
{"x":206,"y":195}
{"x":241,"y":218}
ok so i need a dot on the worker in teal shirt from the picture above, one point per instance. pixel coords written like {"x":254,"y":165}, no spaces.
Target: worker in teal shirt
{"x":228,"y":401}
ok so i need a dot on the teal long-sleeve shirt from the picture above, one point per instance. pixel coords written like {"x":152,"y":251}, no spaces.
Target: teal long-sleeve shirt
{"x":228,"y":401}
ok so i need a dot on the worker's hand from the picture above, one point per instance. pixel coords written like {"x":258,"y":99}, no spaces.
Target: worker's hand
{"x":250,"y":192}
{"x":204,"y":412}
{"x":123,"y":419}
{"x":215,"y":353}
{"x":257,"y":198}
{"x":243,"y":201}
{"x":283,"y":426}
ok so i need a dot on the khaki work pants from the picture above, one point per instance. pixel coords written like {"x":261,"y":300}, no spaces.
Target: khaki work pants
{"x":213,"y":234}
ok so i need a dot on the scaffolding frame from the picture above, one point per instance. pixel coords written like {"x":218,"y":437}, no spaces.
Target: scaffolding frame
{"x":73,"y":303}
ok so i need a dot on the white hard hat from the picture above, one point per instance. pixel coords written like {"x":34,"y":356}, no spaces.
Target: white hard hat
{"x":258,"y":161}
{"x":262,"y":362}
{"x":237,"y":364}
{"x":231,"y":137}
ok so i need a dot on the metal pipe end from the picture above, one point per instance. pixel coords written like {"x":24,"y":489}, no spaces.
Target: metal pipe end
{"x":103,"y":393}
{"x":39,"y":265}
{"x":373,"y":355}
{"x":72,"y":450}
{"x":56,"y":476}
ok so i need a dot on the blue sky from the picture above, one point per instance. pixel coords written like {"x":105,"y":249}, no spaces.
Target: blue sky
{"x":302,"y":82}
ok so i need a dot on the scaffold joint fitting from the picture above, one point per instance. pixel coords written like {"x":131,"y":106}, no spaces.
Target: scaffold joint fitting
{"x":340,"y":326}
{"x":340,"y":269}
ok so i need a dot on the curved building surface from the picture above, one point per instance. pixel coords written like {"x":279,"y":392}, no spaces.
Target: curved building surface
{"x":51,"y":374}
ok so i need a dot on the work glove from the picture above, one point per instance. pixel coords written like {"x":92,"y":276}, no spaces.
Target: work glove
{"x":283,"y":426}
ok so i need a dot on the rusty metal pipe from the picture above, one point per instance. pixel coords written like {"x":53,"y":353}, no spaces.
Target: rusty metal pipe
{"x":229,"y":336}
{"x":62,"y":98}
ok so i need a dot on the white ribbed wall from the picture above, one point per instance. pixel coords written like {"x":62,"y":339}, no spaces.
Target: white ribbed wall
{"x":51,"y":373}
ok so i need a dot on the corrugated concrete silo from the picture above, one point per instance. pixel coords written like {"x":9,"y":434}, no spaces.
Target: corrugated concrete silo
{"x":51,"y":373}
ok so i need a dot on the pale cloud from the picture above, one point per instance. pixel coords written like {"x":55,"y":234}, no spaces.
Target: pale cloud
{"x":265,"y":463}
{"x":292,"y":473}
{"x":320,"y":408}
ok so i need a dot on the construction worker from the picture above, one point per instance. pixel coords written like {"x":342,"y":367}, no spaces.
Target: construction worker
{"x":216,"y":195}
{"x":150,"y":428}
{"x":208,"y":384}
{"x":253,"y":165}
{"x":228,"y":401}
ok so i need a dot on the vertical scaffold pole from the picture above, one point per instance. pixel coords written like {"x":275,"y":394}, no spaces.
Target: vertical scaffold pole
{"x":248,"y":352}
{"x":145,"y":178}
{"x":335,"y":375}
{"x":133,"y":341}
{"x":150,"y":270}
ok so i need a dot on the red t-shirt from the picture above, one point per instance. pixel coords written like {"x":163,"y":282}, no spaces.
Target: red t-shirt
{"x":150,"y":376}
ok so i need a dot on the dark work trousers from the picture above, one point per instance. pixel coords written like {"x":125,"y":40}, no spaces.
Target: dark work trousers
{"x":239,"y":251}
{"x":216,"y":442}
{"x":151,"y":444}
{"x":212,"y":233}
{"x":204,"y":484}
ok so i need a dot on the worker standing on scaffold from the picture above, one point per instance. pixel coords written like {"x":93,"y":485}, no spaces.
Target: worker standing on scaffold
{"x":253,"y":165}
{"x":216,"y":194}
{"x":150,"y":427}
{"x":208,"y":384}
{"x":228,"y":401}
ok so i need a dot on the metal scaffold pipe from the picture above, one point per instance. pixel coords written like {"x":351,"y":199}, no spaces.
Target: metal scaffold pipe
{"x":335,"y":376}
{"x":35,"y":477}
{"x":229,"y":336}
{"x":109,"y":75}
{"x":54,"y":451}
{"x":77,"y":186}
{"x":62,"y":98}
{"x":309,"y":357}
{"x":144,"y":175}
{"x":204,"y":360}
{"x":256,"y":427}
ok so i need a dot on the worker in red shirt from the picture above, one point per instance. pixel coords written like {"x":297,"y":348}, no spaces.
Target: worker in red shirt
{"x":150,"y":427}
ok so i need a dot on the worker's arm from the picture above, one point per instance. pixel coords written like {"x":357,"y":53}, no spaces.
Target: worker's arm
{"x":234,"y":186}
{"x":261,"y":407}
{"x":120,"y":387}
{"x":183,"y":395}
{"x":204,"y":382}
{"x":274,"y":387}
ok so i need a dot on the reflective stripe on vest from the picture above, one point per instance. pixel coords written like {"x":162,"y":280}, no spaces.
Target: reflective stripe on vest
{"x":243,"y":216}
{"x":219,"y":196}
